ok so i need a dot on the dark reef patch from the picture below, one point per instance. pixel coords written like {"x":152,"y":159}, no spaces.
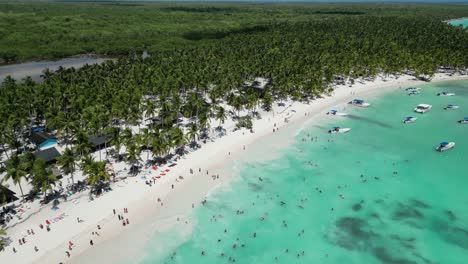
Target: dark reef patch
{"x":353,"y":234}
{"x":383,"y":255}
{"x":419,"y":204}
{"x":451,"y":215}
{"x":357,"y":207}
{"x":403,"y":212}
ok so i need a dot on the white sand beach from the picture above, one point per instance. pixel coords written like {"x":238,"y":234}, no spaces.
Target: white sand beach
{"x":179,"y":191}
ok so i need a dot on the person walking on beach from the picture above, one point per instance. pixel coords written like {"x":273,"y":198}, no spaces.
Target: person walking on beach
{"x":91,"y":242}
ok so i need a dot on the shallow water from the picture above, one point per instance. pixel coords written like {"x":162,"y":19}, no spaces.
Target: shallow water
{"x":462,"y":22}
{"x":35,"y":69}
{"x":379,"y":194}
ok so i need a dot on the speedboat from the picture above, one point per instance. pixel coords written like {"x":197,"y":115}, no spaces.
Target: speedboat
{"x":445,"y":94}
{"x":422,"y":108}
{"x":409,"y":119}
{"x":414,"y":92}
{"x":451,"y":107}
{"x":359,"y":103}
{"x":463,"y":121}
{"x":443,"y":146}
{"x":338,"y":130}
{"x":336,"y":113}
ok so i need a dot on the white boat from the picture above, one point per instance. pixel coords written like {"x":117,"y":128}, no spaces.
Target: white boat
{"x":409,"y":119}
{"x":443,"y":146}
{"x":463,"y":121}
{"x":445,"y":94}
{"x":339,"y":130}
{"x":451,"y":107}
{"x":422,"y":108}
{"x":359,"y":103}
{"x":336,"y":113}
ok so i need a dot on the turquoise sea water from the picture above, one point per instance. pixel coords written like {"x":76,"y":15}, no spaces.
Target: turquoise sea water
{"x":463,"y":22}
{"x":379,"y":194}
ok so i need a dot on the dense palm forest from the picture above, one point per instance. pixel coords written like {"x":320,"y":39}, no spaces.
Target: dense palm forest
{"x":45,"y":30}
{"x":301,"y":60}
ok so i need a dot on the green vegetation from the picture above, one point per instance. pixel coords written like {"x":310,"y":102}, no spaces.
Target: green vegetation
{"x":300,"y":49}
{"x":40,"y":30}
{"x":3,"y":241}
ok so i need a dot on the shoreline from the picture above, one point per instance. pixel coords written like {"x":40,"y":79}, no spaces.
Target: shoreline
{"x":455,"y":19}
{"x":143,"y":208}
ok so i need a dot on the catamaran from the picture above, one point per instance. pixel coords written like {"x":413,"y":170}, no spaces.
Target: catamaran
{"x":339,"y":130}
{"x":359,"y":103}
{"x":409,"y":119}
{"x":451,"y":107}
{"x":422,"y":108}
{"x":336,"y":113}
{"x":445,"y":94}
{"x":443,"y":146}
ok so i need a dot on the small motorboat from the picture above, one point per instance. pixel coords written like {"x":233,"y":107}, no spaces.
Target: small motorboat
{"x":409,"y":119}
{"x":445,"y":94}
{"x":463,"y":121}
{"x":336,"y":113}
{"x":422,"y":108}
{"x":451,"y":107}
{"x":414,"y":92}
{"x":359,"y":103}
{"x":339,"y":130}
{"x":443,"y":146}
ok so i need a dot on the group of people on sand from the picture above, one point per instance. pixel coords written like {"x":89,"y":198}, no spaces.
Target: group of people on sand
{"x":30,"y":232}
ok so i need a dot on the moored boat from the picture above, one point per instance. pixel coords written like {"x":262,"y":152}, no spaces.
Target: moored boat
{"x":339,"y":130}
{"x":463,"y":121}
{"x":409,"y":119}
{"x":451,"y":107}
{"x":443,"y":146}
{"x":445,"y":94}
{"x":422,"y":108}
{"x":336,"y":113}
{"x":359,"y":103}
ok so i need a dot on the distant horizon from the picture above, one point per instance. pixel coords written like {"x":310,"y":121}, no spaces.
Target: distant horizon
{"x":277,"y":1}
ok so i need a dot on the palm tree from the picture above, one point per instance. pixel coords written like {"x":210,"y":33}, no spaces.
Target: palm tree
{"x":82,"y":143}
{"x":15,"y":171}
{"x":193,"y":132}
{"x":42,"y":177}
{"x":86,"y":161}
{"x":177,"y":137}
{"x":3,"y":241}
{"x":27,"y":161}
{"x":97,"y":174}
{"x":220,"y":115}
{"x":68,"y":163}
